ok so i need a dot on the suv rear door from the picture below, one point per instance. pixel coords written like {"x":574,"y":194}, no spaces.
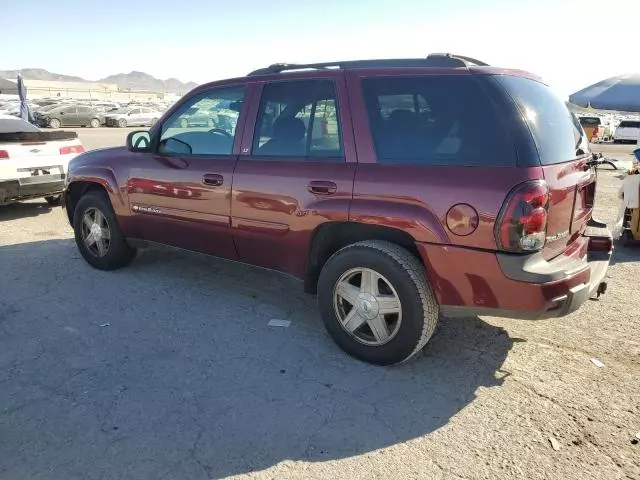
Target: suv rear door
{"x":563,"y":151}
{"x":294,"y":172}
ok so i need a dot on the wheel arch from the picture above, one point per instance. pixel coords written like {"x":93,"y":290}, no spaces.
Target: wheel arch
{"x":330,"y":237}
{"x":104,"y":182}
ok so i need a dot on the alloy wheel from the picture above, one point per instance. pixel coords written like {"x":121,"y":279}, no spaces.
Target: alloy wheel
{"x":367,"y":306}
{"x":96,"y":234}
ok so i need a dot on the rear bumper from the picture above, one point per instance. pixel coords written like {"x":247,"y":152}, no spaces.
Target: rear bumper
{"x":30,"y":187}
{"x":470,"y":282}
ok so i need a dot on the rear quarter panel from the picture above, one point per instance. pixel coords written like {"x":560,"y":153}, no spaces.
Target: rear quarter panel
{"x":416,"y":199}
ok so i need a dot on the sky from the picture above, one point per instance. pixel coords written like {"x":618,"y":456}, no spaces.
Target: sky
{"x":570,"y":43}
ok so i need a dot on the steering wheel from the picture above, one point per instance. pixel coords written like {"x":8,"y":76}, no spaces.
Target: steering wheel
{"x":140,"y":140}
{"x":221,"y":132}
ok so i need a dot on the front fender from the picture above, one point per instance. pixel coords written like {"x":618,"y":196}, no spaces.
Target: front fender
{"x":105,"y":177}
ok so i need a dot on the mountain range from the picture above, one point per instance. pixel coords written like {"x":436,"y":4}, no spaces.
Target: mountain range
{"x":125,"y":81}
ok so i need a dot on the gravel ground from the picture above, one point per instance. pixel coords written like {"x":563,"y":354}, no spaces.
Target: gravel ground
{"x":168,"y":370}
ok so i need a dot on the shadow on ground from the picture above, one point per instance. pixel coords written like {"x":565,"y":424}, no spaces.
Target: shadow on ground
{"x":167,"y":369}
{"x":13,"y":211}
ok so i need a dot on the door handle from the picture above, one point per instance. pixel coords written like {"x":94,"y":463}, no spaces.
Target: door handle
{"x":321,"y":187}
{"x":212,"y":179}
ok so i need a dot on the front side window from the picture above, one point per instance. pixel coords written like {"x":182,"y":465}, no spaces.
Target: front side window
{"x":435,"y":120}
{"x":204,"y":125}
{"x":298,"y":120}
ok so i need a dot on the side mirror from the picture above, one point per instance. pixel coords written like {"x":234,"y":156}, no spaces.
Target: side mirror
{"x":139,"y":141}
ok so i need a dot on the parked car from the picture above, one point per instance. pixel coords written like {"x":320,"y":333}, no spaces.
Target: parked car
{"x":33,"y":163}
{"x":593,"y":127}
{"x":627,"y":131}
{"x":211,"y":117}
{"x":132,"y":117}
{"x":69,"y":116}
{"x":423,"y":189}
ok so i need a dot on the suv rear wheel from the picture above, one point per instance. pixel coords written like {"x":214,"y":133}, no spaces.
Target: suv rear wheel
{"x":376,"y":302}
{"x":98,"y":234}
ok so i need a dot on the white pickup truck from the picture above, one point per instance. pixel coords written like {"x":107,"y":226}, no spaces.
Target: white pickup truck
{"x":33,"y":163}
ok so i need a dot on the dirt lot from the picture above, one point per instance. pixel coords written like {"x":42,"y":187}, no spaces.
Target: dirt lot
{"x":168,"y":370}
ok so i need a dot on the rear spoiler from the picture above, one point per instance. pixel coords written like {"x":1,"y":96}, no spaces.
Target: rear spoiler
{"x":19,"y":137}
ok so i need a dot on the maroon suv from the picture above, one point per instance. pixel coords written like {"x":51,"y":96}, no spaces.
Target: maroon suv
{"x":394,"y":189}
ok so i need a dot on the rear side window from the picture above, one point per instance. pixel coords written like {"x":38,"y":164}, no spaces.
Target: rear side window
{"x":556,"y":133}
{"x":298,"y":120}
{"x":435,"y":120}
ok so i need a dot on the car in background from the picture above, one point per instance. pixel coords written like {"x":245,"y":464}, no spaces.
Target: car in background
{"x":33,"y":163}
{"x":70,"y":116}
{"x":132,"y":117}
{"x":397,"y":190}
{"x":13,"y":108}
{"x":213,"y":117}
{"x":627,"y":131}
{"x":591,"y":126}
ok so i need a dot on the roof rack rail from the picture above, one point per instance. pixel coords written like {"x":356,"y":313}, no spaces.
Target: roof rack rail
{"x":442,"y":60}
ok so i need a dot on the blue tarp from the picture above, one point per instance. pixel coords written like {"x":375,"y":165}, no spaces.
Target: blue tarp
{"x":618,"y":93}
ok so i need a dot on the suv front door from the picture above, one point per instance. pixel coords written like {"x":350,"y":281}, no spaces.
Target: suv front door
{"x":295,"y":171}
{"x":180,"y":192}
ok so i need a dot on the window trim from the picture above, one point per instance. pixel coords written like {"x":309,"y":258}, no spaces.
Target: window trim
{"x":257,"y":116}
{"x":180,"y":108}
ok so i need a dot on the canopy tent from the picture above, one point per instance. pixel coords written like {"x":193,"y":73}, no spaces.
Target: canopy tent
{"x":620,"y":93}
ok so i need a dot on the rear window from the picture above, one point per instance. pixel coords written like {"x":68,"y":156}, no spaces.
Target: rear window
{"x":590,"y":121}
{"x":629,"y":124}
{"x":435,"y":120}
{"x":556,"y":134}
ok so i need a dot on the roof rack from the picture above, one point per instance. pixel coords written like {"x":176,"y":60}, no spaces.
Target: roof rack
{"x":441,"y":60}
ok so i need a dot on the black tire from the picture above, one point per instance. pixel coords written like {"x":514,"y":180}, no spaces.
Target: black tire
{"x":94,"y":123}
{"x":54,"y":123}
{"x":53,"y":200}
{"x":119,"y":253}
{"x":122,"y":123}
{"x":407,"y":276}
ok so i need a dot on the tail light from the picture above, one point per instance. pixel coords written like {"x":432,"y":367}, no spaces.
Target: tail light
{"x":71,"y":149}
{"x":4,"y":154}
{"x":522,"y":223}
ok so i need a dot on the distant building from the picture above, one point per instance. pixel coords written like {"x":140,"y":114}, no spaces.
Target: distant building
{"x":7,"y":87}
{"x":76,"y":90}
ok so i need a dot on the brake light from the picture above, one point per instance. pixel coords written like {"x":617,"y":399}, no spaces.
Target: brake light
{"x":522,"y":223}
{"x":71,"y":149}
{"x":4,"y":154}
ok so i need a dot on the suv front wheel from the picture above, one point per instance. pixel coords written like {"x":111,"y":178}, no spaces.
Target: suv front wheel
{"x":376,"y":302}
{"x":98,"y":234}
